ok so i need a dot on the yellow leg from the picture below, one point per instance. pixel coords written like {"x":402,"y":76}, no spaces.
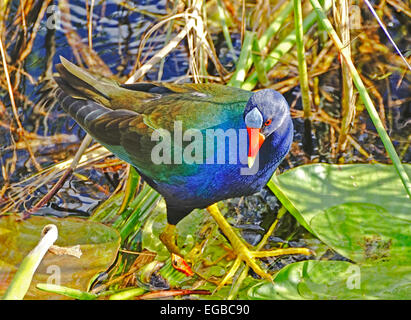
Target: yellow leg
{"x":243,"y":252}
{"x":168,"y":238}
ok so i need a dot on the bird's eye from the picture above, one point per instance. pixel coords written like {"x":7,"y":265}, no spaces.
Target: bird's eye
{"x":268,"y":122}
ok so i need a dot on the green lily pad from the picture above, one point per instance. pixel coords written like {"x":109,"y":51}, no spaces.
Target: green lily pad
{"x":99,"y":245}
{"x":365,"y":233}
{"x":332,"y":280}
{"x":361,"y":211}
{"x":311,"y":189}
{"x":305,"y":280}
{"x":347,"y":206}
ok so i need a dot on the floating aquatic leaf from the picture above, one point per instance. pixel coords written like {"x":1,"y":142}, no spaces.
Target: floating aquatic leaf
{"x":333,"y":280}
{"x":364,"y":233}
{"x":362,"y":212}
{"x":98,"y":243}
{"x":311,"y":189}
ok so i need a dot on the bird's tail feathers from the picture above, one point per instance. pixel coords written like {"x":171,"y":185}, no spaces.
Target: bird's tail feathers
{"x":81,"y":84}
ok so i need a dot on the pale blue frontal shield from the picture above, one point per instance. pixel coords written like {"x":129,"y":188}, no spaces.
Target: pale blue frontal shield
{"x":254,"y":119}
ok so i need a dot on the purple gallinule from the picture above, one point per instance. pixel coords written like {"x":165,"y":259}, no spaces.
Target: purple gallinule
{"x":128,"y":120}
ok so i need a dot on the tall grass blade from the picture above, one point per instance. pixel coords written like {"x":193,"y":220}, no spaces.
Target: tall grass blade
{"x":259,"y":64}
{"x":302,"y":64}
{"x":224,"y":26}
{"x":282,"y":48}
{"x":302,"y":70}
{"x":241,"y":69}
{"x":265,"y":38}
{"x":342,"y":21}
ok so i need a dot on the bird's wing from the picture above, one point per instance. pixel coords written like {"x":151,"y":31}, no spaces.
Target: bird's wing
{"x":198,"y":106}
{"x":124,"y":117}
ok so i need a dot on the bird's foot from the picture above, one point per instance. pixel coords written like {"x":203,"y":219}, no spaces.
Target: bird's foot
{"x":242,"y":251}
{"x":168,"y":238}
{"x":244,"y":254}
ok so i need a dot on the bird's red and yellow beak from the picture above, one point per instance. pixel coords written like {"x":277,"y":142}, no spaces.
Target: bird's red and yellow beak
{"x":256,"y":139}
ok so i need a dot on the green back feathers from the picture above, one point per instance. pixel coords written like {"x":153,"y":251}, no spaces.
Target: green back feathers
{"x":152,"y":105}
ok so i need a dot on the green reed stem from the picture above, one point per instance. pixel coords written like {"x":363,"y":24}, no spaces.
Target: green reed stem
{"x":364,"y":96}
{"x":265,"y":39}
{"x":241,"y":68}
{"x":127,"y":294}
{"x":66,"y":291}
{"x":224,"y":26}
{"x":302,"y":64}
{"x":133,"y":222}
{"x":282,"y":48}
{"x":342,"y":23}
{"x":259,"y":63}
{"x":275,"y":26}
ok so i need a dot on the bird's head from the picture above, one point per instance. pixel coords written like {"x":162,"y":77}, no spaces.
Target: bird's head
{"x":265,"y":112}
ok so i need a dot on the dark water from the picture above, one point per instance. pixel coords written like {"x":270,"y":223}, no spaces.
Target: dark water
{"x":117,"y":33}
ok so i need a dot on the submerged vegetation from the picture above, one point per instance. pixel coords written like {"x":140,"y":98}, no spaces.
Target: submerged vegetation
{"x":343,"y":191}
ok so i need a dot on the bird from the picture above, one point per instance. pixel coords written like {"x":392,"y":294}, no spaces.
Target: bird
{"x":153,"y":126}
